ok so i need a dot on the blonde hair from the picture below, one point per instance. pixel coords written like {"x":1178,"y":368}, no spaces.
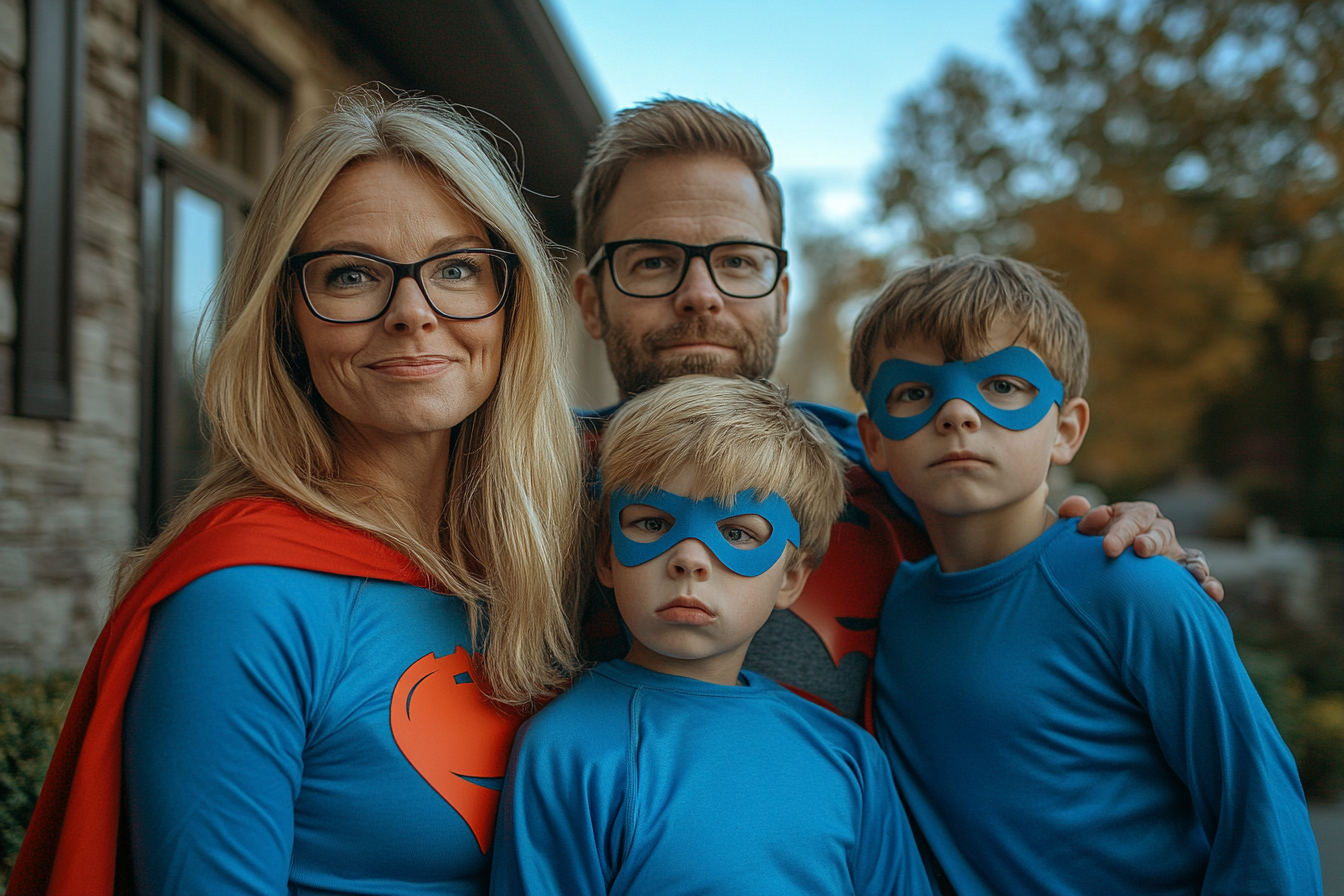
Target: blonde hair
{"x":507,"y":545}
{"x":736,"y":434}
{"x":665,"y":127}
{"x":956,"y":300}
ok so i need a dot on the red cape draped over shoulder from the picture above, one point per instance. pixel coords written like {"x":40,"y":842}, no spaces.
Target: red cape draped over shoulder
{"x":70,"y":847}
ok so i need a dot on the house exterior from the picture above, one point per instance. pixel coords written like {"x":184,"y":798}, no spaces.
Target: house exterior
{"x":134,"y":135}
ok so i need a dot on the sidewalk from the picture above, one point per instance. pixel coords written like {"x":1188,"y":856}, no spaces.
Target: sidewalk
{"x":1327,"y":820}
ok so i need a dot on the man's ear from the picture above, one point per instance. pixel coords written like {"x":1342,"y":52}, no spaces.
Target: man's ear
{"x":872,"y":443}
{"x":782,"y":313}
{"x":589,"y":298}
{"x":1073,"y":419}
{"x":794,"y":580}
{"x":603,"y":563}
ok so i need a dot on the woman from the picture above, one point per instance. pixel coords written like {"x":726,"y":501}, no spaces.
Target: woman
{"x":306,"y":711}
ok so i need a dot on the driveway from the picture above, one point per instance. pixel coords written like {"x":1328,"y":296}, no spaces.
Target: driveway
{"x":1327,"y":819}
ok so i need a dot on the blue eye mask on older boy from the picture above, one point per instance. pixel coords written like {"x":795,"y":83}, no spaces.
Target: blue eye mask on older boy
{"x":962,"y":379}
{"x":700,"y":520}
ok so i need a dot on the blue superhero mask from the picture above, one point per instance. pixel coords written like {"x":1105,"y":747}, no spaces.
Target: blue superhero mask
{"x":700,"y":520}
{"x":962,"y":379}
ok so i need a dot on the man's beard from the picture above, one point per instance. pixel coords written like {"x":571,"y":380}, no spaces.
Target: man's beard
{"x":636,"y":366}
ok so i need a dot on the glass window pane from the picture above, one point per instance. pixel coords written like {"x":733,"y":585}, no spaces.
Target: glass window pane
{"x":196,"y":262}
{"x":213,"y":108}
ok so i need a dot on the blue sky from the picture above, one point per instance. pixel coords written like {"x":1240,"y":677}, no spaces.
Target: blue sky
{"x":820,"y":77}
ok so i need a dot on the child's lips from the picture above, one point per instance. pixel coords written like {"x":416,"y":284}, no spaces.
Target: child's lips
{"x":685,"y":611}
{"x":959,"y":459}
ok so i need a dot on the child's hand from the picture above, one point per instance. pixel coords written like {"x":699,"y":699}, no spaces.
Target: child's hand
{"x":1141,"y":524}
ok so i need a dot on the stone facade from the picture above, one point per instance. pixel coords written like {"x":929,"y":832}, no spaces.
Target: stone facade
{"x":68,"y":487}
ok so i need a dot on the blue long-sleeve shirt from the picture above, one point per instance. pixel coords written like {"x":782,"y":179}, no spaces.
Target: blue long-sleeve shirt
{"x":1061,"y":723}
{"x":638,"y":782}
{"x":294,"y":731}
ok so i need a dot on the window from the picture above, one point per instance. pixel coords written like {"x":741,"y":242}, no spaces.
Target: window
{"x":53,"y":166}
{"x":216,"y":131}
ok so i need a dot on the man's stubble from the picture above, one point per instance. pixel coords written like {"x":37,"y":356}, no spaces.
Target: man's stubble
{"x":636,"y":366}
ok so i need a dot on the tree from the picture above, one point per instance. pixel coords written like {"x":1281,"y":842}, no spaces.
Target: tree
{"x":1180,"y":158}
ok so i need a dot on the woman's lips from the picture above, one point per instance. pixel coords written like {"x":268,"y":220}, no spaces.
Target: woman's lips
{"x":685,"y":611}
{"x":412,"y":366}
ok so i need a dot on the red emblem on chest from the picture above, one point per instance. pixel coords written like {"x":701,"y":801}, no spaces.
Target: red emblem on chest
{"x":449,"y":732}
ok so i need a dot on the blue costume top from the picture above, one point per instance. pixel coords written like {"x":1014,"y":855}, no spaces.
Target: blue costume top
{"x":822,"y":646}
{"x":295,"y":731}
{"x":638,"y":782}
{"x":1063,"y":723}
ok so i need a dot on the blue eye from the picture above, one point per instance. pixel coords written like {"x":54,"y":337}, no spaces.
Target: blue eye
{"x":1007,"y":392}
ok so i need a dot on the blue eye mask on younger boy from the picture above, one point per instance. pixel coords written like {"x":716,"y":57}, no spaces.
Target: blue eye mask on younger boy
{"x":700,"y":520}
{"x":962,"y":379}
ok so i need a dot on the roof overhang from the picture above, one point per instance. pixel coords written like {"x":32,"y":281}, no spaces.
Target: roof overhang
{"x":503,"y":57}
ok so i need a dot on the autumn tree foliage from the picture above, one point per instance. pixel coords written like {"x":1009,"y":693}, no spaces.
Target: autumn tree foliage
{"x":1178,"y":162}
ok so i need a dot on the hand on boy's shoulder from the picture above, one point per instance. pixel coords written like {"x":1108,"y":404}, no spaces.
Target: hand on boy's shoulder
{"x":1127,"y":591}
{"x":1140,"y":524}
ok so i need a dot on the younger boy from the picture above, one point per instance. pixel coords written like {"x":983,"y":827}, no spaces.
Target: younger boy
{"x":674,"y":771}
{"x":1058,"y":722}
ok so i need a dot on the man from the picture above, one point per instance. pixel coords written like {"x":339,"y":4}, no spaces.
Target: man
{"x":680,"y":221}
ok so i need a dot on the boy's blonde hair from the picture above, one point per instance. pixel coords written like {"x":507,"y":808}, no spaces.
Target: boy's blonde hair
{"x":956,"y":300}
{"x":736,"y":434}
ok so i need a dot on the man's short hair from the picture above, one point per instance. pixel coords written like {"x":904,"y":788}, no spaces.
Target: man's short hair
{"x":665,"y":127}
{"x":735,"y":434}
{"x":956,"y":300}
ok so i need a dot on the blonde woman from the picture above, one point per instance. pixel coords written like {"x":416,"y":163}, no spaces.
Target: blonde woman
{"x":301,"y":658}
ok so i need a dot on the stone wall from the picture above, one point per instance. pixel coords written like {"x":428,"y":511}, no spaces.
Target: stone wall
{"x":68,"y":488}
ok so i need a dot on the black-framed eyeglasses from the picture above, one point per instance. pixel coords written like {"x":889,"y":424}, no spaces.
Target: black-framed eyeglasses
{"x":651,"y":269}
{"x":343,"y":287}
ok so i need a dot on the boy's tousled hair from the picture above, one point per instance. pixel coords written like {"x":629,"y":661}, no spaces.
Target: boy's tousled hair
{"x":736,"y":434}
{"x":956,"y":300}
{"x":665,"y":127}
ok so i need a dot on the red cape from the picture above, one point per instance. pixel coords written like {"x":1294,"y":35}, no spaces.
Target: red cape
{"x":70,"y":848}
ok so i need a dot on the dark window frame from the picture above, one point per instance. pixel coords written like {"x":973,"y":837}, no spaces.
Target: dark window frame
{"x":163,"y":168}
{"x":53,"y":174}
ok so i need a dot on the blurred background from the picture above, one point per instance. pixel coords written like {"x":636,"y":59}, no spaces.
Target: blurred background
{"x":1177,"y":164}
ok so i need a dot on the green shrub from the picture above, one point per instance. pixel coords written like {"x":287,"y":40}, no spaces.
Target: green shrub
{"x":31,"y":712}
{"x":1311,"y":724}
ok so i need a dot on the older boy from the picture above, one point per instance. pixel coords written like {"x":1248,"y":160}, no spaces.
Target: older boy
{"x":674,"y":771}
{"x":1058,"y":722}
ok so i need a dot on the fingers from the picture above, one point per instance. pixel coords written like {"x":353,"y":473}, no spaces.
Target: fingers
{"x":1095,"y":521}
{"x":1198,"y":566}
{"x":1136,"y":523}
{"x":1159,"y":540}
{"x":1074,"y":505}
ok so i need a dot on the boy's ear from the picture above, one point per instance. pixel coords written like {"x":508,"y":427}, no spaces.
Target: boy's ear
{"x":603,"y":563}
{"x":1073,"y":419}
{"x":872,"y":443}
{"x":794,"y":580}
